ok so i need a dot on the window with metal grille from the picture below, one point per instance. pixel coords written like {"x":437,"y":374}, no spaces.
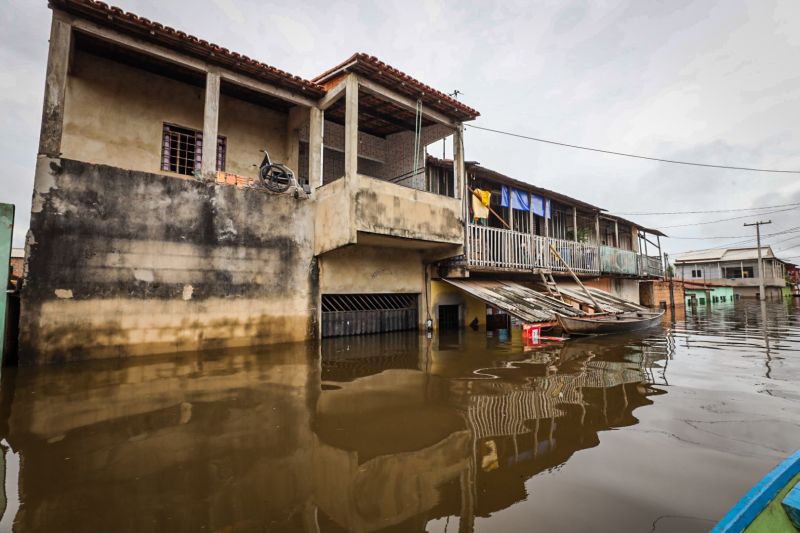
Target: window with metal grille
{"x":367,"y":302}
{"x":182,"y":150}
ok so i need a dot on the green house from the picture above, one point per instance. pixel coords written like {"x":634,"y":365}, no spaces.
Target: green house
{"x":708,"y":294}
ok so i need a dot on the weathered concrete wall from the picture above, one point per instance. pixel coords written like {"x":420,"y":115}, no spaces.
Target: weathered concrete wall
{"x":620,"y":287}
{"x":115,"y":114}
{"x":388,"y":209}
{"x":371,"y":269}
{"x":334,"y":217}
{"x":122,"y":262}
{"x":470,"y":308}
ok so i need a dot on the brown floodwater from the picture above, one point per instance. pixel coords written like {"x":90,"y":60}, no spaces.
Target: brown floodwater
{"x":658,"y":431}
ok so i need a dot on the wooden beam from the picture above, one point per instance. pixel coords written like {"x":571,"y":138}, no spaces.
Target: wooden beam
{"x":184,"y":60}
{"x":387,"y":118}
{"x":574,"y":224}
{"x":597,"y":228}
{"x":332,"y":96}
{"x":404,"y":101}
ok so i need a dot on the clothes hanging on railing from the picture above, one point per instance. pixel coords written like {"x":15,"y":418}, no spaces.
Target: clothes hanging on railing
{"x":540,"y":206}
{"x":480,"y":206}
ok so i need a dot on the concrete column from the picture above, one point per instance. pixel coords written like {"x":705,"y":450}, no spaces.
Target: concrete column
{"x":55,"y":88}
{"x":458,"y":163}
{"x":461,"y":185}
{"x":297,"y":116}
{"x":316,"y":133}
{"x":351,"y":127}
{"x":208,"y":167}
{"x":616,"y":234}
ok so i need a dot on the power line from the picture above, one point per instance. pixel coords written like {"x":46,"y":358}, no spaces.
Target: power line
{"x":794,"y":229}
{"x":749,"y":240}
{"x":725,"y":219}
{"x":612,"y":152}
{"x":646,"y":213}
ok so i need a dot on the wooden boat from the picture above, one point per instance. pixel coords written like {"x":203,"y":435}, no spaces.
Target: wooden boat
{"x":773,"y":504}
{"x":610,"y":323}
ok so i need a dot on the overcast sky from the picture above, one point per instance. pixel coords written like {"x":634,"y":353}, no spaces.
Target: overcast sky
{"x":708,"y":81}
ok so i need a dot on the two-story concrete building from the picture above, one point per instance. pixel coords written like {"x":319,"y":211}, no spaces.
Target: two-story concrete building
{"x":734,"y":267}
{"x":149,"y":232}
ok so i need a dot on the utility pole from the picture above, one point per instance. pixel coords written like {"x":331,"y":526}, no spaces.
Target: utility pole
{"x":761,"y":295}
{"x":671,"y":287}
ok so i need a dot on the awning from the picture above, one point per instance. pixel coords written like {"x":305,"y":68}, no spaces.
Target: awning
{"x":517,"y":300}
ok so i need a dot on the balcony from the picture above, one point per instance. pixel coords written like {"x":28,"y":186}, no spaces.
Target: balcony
{"x":499,"y":249}
{"x":494,"y":249}
{"x":617,"y":261}
{"x":651,"y":266}
{"x":365,"y":210}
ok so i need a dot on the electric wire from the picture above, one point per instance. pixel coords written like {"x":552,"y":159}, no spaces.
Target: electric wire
{"x":648,"y":213}
{"x":726,"y":219}
{"x":636,"y":156}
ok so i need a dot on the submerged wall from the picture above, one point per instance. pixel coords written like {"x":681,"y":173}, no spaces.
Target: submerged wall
{"x":123,"y":263}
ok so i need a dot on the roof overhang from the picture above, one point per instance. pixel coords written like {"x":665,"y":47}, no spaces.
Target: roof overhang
{"x":371,"y":68}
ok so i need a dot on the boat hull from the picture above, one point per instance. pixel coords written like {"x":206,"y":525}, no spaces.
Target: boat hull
{"x":620,"y":323}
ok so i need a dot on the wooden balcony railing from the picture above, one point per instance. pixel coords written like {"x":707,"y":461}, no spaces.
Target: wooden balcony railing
{"x":496,"y":248}
{"x":651,"y":266}
{"x":501,"y":249}
{"x":618,"y":261}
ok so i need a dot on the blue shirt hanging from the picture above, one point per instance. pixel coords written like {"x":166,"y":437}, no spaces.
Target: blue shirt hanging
{"x":503,"y":196}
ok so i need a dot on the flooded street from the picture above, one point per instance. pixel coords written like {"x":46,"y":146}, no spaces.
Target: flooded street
{"x":659,"y":431}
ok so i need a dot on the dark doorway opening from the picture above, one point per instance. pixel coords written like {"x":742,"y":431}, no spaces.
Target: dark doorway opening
{"x":448,"y":317}
{"x":497,"y":319}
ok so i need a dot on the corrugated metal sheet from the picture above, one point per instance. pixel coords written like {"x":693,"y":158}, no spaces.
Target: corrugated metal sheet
{"x":725,"y":254}
{"x":526,"y":304}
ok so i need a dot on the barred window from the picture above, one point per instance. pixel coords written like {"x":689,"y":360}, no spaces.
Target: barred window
{"x":182,"y":150}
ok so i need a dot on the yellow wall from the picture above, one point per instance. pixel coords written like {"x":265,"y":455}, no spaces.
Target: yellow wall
{"x":371,"y":269}
{"x":114,"y":115}
{"x":445,"y":294}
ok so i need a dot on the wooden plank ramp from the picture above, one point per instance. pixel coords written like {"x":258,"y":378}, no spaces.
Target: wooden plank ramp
{"x":517,"y":300}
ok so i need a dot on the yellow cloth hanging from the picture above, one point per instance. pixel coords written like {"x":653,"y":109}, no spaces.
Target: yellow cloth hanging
{"x":480,"y":204}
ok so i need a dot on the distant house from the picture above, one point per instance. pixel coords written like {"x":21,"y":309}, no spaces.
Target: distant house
{"x":17,"y":262}
{"x":734,"y":267}
{"x":707,"y":293}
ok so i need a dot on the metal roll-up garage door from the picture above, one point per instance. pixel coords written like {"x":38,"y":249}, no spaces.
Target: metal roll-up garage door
{"x":360,"y":314}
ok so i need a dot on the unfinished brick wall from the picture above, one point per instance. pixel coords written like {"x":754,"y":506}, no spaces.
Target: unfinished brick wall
{"x":387,"y":159}
{"x":661,"y":292}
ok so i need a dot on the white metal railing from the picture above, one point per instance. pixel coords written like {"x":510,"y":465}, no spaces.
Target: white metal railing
{"x":505,"y":249}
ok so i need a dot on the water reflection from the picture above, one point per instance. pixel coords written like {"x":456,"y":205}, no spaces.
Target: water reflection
{"x":360,"y":434}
